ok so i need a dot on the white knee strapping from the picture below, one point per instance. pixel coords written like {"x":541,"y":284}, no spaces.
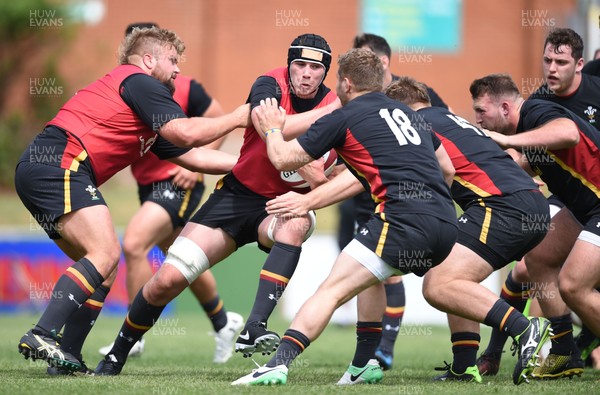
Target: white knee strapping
{"x":370,"y":260}
{"x":188,"y":258}
{"x":313,"y":223}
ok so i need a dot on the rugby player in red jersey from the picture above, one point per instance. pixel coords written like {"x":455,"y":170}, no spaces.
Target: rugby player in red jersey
{"x":234,"y":215}
{"x":99,"y":131}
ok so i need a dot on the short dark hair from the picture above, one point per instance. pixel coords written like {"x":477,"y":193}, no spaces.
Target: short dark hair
{"x":495,"y":85}
{"x":567,"y":37}
{"x":376,"y":43}
{"x":363,"y":68}
{"x":409,"y":91}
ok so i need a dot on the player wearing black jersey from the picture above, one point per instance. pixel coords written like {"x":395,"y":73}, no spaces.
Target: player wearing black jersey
{"x":491,"y":189}
{"x":569,"y":87}
{"x":355,"y":212}
{"x":393,"y":154}
{"x":562,"y":149}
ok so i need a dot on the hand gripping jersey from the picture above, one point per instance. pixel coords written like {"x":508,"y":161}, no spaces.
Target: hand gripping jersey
{"x":254,"y":169}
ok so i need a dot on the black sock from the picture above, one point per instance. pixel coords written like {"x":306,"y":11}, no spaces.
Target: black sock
{"x":80,"y":323}
{"x":506,"y":318}
{"x":392,"y":319}
{"x":292,"y":344}
{"x":140,"y":318}
{"x":70,"y":292}
{"x":585,"y":337}
{"x":515,"y":294}
{"x":562,"y":340}
{"x":464,"y":350}
{"x":215,"y":310}
{"x":368,"y":335}
{"x":274,"y":277}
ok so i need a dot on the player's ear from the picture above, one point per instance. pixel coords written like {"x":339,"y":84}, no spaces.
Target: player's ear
{"x":505,"y":108}
{"x":579,"y":65}
{"x":149,"y":60}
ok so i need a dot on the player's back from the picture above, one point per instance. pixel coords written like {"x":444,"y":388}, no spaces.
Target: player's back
{"x":392,"y":148}
{"x":483,"y":169}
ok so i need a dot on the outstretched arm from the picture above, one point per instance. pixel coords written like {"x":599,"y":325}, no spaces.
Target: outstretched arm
{"x":207,"y":161}
{"x":342,"y":187}
{"x":198,"y":131}
{"x":557,"y":134}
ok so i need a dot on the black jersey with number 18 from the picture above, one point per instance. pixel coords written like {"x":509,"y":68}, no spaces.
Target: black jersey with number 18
{"x":391,"y":150}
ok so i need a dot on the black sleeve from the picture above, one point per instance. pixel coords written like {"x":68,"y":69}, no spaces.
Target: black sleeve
{"x":592,"y":68}
{"x":436,"y":100}
{"x":164,"y":149}
{"x":535,"y":113}
{"x":263,"y":88}
{"x":326,"y":133}
{"x":150,"y":100}
{"x":199,"y":100}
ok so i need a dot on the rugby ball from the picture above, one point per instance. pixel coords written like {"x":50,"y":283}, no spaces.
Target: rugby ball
{"x":295,"y":180}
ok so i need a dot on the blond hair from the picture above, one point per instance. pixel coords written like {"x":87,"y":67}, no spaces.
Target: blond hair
{"x":149,"y":40}
{"x":363,"y":67}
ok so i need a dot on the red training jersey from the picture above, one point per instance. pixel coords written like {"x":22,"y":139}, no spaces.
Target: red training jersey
{"x":254,"y":169}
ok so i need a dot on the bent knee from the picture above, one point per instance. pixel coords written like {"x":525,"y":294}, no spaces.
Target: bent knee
{"x":292,"y":231}
{"x":569,"y":289}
